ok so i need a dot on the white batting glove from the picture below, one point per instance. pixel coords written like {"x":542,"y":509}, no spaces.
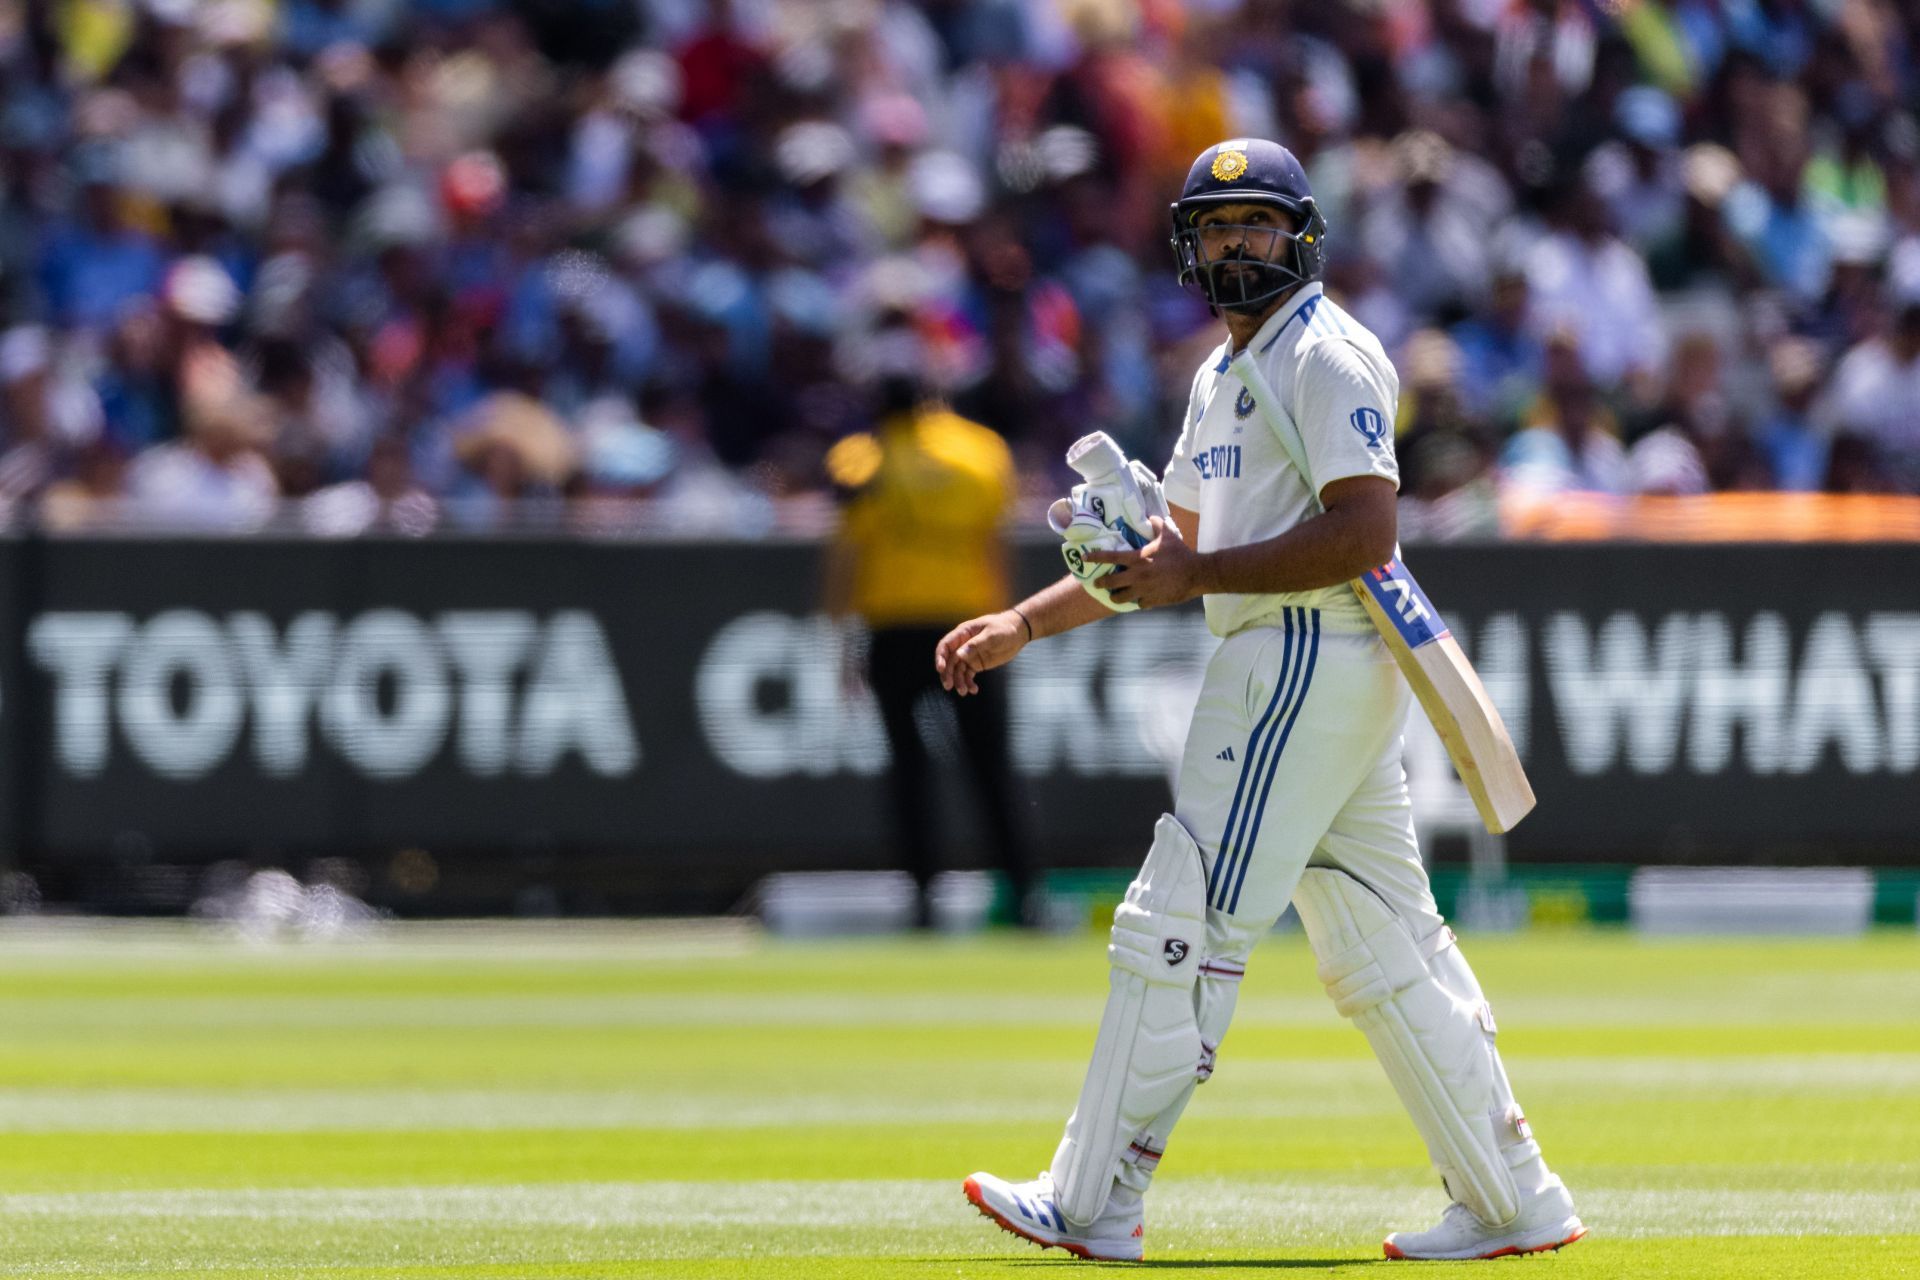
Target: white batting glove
{"x":1123,"y":494}
{"x":1109,"y":512}
{"x":1081,"y":531}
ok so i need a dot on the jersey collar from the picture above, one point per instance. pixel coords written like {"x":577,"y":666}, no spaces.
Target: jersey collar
{"x":1299,"y":307}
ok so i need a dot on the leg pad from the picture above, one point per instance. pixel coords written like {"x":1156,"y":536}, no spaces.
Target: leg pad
{"x":1149,"y":1043}
{"x":1435,"y":1047}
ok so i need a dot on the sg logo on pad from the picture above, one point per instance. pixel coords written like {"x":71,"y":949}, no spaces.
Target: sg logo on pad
{"x":1175,"y":950}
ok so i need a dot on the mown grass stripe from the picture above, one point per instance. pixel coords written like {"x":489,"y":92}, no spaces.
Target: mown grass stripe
{"x":1253,"y":1211}
{"x":1263,"y":1088}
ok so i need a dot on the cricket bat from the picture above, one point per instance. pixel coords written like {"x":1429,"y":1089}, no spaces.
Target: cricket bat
{"x":1449,"y":689}
{"x":1450,"y":693}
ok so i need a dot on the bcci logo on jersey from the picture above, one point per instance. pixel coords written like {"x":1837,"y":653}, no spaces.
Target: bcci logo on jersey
{"x":1371,"y":426}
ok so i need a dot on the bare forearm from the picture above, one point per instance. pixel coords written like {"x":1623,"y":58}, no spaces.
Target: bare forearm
{"x":1062,"y":606}
{"x":1325,"y":551}
{"x":992,"y":640}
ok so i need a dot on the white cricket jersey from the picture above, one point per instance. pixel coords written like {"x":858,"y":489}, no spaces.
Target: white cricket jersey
{"x":1334,"y":379}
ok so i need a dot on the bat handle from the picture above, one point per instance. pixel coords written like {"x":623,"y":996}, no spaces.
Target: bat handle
{"x":1096,"y":457}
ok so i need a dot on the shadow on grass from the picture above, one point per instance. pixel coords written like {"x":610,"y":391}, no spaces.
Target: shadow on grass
{"x":1194,"y":1264}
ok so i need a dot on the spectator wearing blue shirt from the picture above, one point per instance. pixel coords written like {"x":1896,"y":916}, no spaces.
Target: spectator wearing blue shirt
{"x":1786,"y":236}
{"x":1795,"y":447}
{"x":1502,"y":360}
{"x":92,"y":268}
{"x":136,"y":387}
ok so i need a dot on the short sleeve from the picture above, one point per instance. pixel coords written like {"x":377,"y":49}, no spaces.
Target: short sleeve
{"x":1344,"y":404}
{"x":1178,"y":482}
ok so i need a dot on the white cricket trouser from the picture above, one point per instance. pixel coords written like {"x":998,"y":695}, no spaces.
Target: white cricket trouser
{"x":1292,"y":759}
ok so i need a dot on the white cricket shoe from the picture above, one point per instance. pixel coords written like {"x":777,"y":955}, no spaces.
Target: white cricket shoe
{"x":1548,"y":1222}
{"x":1027,"y":1209}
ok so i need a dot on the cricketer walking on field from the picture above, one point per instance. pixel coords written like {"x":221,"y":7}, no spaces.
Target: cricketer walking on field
{"x":1290,"y":785}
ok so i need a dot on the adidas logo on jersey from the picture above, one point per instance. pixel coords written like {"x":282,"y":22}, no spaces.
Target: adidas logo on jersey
{"x":1226,"y":755}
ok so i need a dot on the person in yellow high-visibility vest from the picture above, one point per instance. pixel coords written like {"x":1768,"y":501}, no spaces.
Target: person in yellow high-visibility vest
{"x":919,"y":548}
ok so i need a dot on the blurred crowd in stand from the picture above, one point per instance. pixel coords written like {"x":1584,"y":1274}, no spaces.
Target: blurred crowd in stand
{"x":483,"y":264}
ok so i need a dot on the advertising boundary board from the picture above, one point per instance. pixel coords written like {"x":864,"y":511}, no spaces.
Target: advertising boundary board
{"x":657,"y":724}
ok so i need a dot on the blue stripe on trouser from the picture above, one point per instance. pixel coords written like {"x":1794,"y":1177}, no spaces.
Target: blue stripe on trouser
{"x":1247,"y":770}
{"x":1232,"y":841}
{"x":1295,"y":692}
{"x":1266,"y":787}
{"x":1248,"y":767}
{"x":1287,"y":688}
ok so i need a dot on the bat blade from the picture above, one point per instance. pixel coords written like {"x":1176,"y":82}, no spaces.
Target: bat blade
{"x":1450,"y":693}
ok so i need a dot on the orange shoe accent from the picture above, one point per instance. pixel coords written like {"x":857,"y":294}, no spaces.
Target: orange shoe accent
{"x":1393,"y":1251}
{"x":1539,"y":1248}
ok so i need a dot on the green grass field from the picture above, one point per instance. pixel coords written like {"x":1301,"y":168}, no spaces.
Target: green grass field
{"x":606,"y":1101}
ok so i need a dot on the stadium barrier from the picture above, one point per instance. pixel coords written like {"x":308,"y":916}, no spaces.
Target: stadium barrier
{"x":550,"y":724}
{"x":1713,"y":517}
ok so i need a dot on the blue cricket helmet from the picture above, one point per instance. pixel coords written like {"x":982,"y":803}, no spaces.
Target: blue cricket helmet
{"x":1267,"y":261}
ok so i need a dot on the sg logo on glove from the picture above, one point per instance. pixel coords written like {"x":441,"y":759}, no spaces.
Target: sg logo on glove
{"x":1081,"y":531}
